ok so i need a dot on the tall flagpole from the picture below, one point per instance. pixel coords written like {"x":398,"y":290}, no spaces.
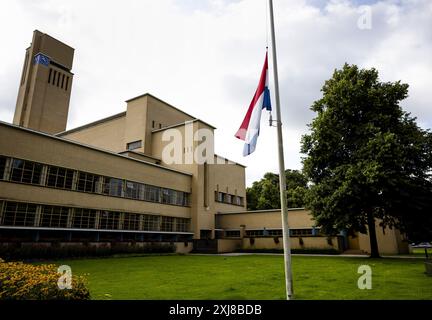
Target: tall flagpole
{"x":282,"y":178}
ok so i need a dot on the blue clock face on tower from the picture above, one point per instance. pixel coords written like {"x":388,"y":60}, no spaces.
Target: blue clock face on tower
{"x":41,"y":59}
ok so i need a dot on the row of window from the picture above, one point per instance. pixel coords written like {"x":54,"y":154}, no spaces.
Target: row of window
{"x":58,"y":79}
{"x":269,"y":233}
{"x":228,"y":198}
{"x":32,"y":172}
{"x":28,"y":215}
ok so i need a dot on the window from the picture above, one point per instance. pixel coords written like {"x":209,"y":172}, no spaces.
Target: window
{"x":182,"y":225}
{"x":152,"y":193}
{"x":185,"y":199}
{"x":19,"y":214}
{"x":62,"y":82}
{"x":133,"y":190}
{"x":167,"y":224}
{"x":151,"y":223}
{"x":153,"y":124}
{"x":232,"y":233}
{"x":67,"y":81}
{"x":238,"y":201}
{"x":228,"y":198}
{"x":134,"y":145}
{"x":83,"y":219}
{"x":54,"y":77}
{"x":182,"y":198}
{"x":58,"y":79}
{"x":113,"y":187}
{"x":59,"y":177}
{"x":254,"y":233}
{"x":275,"y":232}
{"x":179,"y":199}
{"x":49,"y":75}
{"x":131,"y":221}
{"x":219,"y":196}
{"x":26,"y":171}
{"x":54,"y":217}
{"x":301,"y":232}
{"x":109,"y":220}
{"x":87,"y":182}
{"x":168,"y":196}
{"x":2,"y":167}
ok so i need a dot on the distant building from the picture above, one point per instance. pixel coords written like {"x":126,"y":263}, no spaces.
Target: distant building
{"x":107,"y":181}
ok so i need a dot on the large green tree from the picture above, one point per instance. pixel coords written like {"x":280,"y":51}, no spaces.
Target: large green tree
{"x":366,"y":158}
{"x":264,"y":194}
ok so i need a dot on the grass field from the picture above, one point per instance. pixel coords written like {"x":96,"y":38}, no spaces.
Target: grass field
{"x":250,"y":277}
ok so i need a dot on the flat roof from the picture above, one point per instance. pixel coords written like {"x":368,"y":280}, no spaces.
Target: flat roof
{"x":122,"y":114}
{"x":232,"y":162}
{"x":91,"y":147}
{"x":47,"y":35}
{"x":91,"y":124}
{"x":160,"y":100}
{"x":258,"y":211}
{"x":182,"y":124}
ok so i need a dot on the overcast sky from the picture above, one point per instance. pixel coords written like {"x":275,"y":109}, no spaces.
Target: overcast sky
{"x":205,"y":57}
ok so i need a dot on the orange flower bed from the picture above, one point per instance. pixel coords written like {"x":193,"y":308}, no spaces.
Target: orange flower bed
{"x":21,"y":281}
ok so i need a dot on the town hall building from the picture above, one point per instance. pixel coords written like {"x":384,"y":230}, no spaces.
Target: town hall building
{"x":107,"y":181}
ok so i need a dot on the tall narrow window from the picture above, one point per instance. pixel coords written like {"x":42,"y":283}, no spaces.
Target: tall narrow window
{"x":153,"y":124}
{"x":2,"y":166}
{"x":62,"y":82}
{"x":54,"y":77}
{"x":67,"y":81}
{"x":49,"y":75}
{"x":58,"y":79}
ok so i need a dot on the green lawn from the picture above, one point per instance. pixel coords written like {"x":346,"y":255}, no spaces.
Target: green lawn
{"x":250,"y":277}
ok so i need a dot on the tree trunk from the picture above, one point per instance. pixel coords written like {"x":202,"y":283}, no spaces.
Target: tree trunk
{"x":372,"y":236}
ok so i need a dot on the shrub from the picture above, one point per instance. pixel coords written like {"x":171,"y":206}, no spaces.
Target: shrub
{"x":20,"y":281}
{"x":78,"y":251}
{"x":301,"y":242}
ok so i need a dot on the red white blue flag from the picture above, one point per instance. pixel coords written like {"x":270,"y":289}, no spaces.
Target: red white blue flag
{"x":250,"y":127}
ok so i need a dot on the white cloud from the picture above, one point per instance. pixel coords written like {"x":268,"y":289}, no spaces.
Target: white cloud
{"x":205,"y":57}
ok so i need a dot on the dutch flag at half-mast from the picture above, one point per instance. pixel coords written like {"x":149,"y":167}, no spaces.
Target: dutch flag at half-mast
{"x":250,"y":127}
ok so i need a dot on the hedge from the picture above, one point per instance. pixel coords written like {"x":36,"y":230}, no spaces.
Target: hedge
{"x":293,"y":251}
{"x":20,"y":281}
{"x":78,"y":251}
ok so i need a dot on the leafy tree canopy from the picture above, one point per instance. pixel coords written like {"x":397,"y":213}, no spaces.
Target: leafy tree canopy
{"x":264,"y":194}
{"x":367,"y":158}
